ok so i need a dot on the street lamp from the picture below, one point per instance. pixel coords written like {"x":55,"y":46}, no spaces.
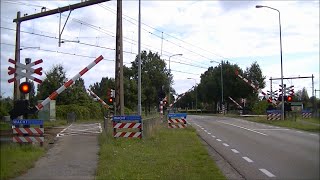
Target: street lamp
{"x":221,"y":77}
{"x":282,"y":101}
{"x":195,"y":83}
{"x":170,"y":73}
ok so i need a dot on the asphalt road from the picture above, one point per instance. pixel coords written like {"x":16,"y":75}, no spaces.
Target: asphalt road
{"x":259,"y":151}
{"x":73,"y":157}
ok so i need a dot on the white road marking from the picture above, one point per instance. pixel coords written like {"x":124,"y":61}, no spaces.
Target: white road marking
{"x":205,"y":131}
{"x":266,"y":172}
{"x":219,"y":140}
{"x":247,"y":159}
{"x":213,"y":136}
{"x":202,"y":128}
{"x":60,"y":133}
{"x":225,"y":144}
{"x":299,"y":131}
{"x":234,"y":150}
{"x":312,"y":134}
{"x":244,"y":128}
{"x":209,"y":133}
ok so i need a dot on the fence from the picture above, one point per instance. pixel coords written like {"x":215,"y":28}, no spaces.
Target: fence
{"x":27,"y":134}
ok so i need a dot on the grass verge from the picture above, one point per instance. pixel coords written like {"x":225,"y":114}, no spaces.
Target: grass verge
{"x":16,"y":159}
{"x":5,"y":126}
{"x":289,"y":123}
{"x":169,"y":154}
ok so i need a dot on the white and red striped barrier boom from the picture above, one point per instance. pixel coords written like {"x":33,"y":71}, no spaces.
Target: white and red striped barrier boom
{"x":257,"y":89}
{"x":68,"y":83}
{"x":99,"y":99}
{"x":239,"y":106}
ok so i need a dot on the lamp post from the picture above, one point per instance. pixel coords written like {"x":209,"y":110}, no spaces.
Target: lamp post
{"x":170,"y":73}
{"x":195,"y":83}
{"x":221,"y":77}
{"x":282,"y":101}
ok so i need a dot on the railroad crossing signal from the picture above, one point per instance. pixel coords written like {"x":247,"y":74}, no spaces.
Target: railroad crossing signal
{"x":25,"y":87}
{"x":18,"y":74}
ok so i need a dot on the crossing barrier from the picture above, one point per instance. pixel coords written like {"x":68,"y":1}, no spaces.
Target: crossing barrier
{"x":27,"y":134}
{"x":274,"y":115}
{"x":129,"y":126}
{"x":177,"y":120}
{"x":306,"y":113}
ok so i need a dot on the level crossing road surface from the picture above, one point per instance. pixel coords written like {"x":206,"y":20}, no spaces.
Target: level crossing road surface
{"x":74,"y":155}
{"x":261,"y":151}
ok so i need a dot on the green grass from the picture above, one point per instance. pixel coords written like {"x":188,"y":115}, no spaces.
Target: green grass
{"x":16,"y":159}
{"x":312,"y":120}
{"x":289,"y":123}
{"x":5,"y":125}
{"x":54,"y":123}
{"x":169,"y":154}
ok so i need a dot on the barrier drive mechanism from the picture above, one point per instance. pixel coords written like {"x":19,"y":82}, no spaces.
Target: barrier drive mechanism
{"x":306,"y":113}
{"x":177,"y":120}
{"x":127,"y":126}
{"x":30,"y":134}
{"x":274,"y":115}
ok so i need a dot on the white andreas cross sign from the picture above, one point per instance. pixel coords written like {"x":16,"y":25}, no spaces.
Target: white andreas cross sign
{"x":18,"y":74}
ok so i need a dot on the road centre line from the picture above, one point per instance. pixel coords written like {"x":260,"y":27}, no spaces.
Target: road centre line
{"x":225,"y":144}
{"x":213,"y":136}
{"x":218,"y":140}
{"x":247,"y":159}
{"x":209,"y":133}
{"x":202,"y":128}
{"x":266,"y":172}
{"x":234,"y":150}
{"x":244,"y":128}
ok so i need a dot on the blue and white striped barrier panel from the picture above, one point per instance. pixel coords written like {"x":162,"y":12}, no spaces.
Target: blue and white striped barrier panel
{"x":274,"y":115}
{"x":177,"y":120}
{"x":306,"y":113}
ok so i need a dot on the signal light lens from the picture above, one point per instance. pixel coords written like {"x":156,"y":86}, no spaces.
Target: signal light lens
{"x":110,"y":100}
{"x":25,"y":87}
{"x":289,"y":98}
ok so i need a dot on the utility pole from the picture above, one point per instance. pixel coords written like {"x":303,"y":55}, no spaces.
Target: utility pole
{"x":139,"y":61}
{"x":16,"y":92}
{"x":119,"y":108}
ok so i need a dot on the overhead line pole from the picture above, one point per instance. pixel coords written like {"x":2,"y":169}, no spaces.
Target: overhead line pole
{"x":139,"y":61}
{"x":19,"y":19}
{"x":59,"y":10}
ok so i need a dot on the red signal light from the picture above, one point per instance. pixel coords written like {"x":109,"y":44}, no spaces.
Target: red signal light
{"x":110,"y":100}
{"x":25,"y":87}
{"x":289,"y":98}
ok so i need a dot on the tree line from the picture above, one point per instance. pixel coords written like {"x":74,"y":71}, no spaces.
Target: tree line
{"x":155,"y":77}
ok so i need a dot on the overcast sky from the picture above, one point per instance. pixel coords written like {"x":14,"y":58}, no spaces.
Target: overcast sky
{"x":202,"y":31}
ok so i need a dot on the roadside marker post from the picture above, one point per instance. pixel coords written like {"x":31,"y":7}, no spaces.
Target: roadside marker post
{"x":30,"y":134}
{"x":132,"y":125}
{"x":177,"y":120}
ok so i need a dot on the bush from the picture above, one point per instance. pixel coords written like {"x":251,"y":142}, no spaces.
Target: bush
{"x":90,"y":111}
{"x":260,"y":107}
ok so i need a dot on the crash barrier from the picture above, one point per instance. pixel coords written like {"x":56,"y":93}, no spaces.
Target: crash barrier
{"x":27,"y":134}
{"x":177,"y":120}
{"x":274,"y":115}
{"x":306,"y":113}
{"x":129,"y":126}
